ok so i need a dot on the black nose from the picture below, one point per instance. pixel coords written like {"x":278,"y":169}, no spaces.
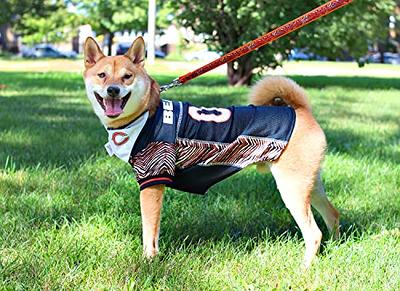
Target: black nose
{"x":113,"y":91}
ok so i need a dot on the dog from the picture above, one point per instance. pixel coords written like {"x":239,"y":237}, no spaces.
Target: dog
{"x":160,"y":139}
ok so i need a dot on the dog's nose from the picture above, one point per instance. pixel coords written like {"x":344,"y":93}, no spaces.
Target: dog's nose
{"x":113,"y":91}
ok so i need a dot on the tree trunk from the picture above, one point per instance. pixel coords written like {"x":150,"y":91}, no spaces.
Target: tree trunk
{"x":381,"y":50}
{"x":110,"y":42}
{"x":9,"y":40}
{"x":240,"y":72}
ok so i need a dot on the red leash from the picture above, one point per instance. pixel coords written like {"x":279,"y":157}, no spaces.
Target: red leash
{"x":269,"y":37}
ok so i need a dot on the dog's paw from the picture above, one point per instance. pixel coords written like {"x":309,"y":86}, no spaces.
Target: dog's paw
{"x":308,"y":263}
{"x":150,"y":254}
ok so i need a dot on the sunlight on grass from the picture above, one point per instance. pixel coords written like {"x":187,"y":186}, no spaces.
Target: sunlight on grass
{"x":175,"y":69}
{"x":70,"y":217}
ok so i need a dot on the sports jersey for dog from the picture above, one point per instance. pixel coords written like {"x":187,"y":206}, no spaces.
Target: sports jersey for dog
{"x":191,"y":148}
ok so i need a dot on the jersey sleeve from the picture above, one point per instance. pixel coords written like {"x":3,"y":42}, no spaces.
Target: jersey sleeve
{"x":155,"y":164}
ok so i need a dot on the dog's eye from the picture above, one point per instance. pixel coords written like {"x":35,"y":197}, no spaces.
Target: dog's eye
{"x":127,"y":76}
{"x":102,"y":75}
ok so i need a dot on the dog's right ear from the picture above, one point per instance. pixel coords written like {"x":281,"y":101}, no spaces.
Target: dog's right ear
{"x":92,"y":53}
{"x":154,"y":99}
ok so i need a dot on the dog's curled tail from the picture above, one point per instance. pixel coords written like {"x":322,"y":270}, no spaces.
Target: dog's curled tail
{"x":279,"y":91}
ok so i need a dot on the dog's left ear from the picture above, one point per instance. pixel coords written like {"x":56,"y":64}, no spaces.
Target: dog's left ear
{"x":137,"y":52}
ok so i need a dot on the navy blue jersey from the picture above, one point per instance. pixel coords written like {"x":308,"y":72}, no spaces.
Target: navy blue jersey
{"x":191,"y":148}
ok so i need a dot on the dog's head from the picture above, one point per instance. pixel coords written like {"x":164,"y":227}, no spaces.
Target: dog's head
{"x":118,"y":87}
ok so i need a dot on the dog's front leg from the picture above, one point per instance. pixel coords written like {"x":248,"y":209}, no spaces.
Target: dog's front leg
{"x":150,"y":204}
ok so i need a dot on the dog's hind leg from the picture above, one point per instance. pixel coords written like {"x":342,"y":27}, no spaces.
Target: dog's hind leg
{"x":295,"y":191}
{"x":320,"y":202}
{"x":295,"y":174}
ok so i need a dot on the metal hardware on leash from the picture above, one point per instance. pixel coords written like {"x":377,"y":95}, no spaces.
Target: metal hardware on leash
{"x":173,"y":84}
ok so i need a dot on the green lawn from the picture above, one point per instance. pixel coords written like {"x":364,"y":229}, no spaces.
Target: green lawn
{"x":70,"y":216}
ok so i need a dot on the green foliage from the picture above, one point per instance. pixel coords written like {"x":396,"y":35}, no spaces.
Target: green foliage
{"x":349,"y":31}
{"x":109,"y":16}
{"x":164,"y":15}
{"x":53,"y":24}
{"x":12,"y":10}
{"x":39,"y":20}
{"x":229,"y":24}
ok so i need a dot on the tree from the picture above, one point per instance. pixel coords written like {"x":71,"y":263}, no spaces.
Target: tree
{"x":110,"y":16}
{"x":228,"y":24}
{"x":394,"y":25}
{"x":39,"y":20}
{"x":11,"y":12}
{"x":54,"y":23}
{"x":350,"y":31}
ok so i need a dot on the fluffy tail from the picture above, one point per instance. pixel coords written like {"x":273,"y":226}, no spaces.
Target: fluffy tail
{"x":279,"y":91}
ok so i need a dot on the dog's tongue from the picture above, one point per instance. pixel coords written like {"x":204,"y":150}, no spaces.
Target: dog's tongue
{"x":113,"y":107}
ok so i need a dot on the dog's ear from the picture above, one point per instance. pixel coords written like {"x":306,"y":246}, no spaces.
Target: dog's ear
{"x":92,"y":52}
{"x":154,"y":98}
{"x":137,"y":52}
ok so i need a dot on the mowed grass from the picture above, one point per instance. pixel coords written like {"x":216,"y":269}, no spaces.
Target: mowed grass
{"x":70,"y":215}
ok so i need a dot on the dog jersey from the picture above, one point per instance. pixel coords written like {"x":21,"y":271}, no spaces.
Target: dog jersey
{"x":191,"y":148}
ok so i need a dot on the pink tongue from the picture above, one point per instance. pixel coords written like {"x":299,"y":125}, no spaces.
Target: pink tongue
{"x":113,"y":107}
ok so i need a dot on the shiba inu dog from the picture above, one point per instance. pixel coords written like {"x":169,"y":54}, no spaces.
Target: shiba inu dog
{"x":178,"y":145}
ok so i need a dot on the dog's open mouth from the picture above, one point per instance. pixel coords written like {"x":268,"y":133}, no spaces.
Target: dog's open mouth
{"x":113,"y":107}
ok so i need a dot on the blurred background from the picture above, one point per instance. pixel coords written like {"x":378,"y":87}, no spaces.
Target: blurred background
{"x":189,"y":31}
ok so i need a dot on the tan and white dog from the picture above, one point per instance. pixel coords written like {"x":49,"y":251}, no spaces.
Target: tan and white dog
{"x":120,"y":91}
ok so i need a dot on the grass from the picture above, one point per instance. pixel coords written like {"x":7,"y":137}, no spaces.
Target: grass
{"x":70,"y":216}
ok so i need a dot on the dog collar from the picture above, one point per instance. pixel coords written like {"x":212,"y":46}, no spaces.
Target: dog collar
{"x":121,"y":140}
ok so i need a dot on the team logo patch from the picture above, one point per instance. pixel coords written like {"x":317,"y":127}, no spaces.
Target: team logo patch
{"x":119,"y":138}
{"x":212,"y":114}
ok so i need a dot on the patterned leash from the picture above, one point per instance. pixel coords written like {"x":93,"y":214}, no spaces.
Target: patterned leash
{"x":269,"y":37}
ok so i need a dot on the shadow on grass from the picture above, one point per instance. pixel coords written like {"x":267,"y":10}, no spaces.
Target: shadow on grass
{"x":256,"y":213}
{"x":41,"y":129}
{"x":73,"y":81}
{"x":53,"y":131}
{"x":348,"y":82}
{"x":319,"y":82}
{"x":44,"y":128}
{"x":229,"y":212}
{"x":370,"y":83}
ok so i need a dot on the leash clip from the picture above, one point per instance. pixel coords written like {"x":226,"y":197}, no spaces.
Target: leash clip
{"x":173,"y":84}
